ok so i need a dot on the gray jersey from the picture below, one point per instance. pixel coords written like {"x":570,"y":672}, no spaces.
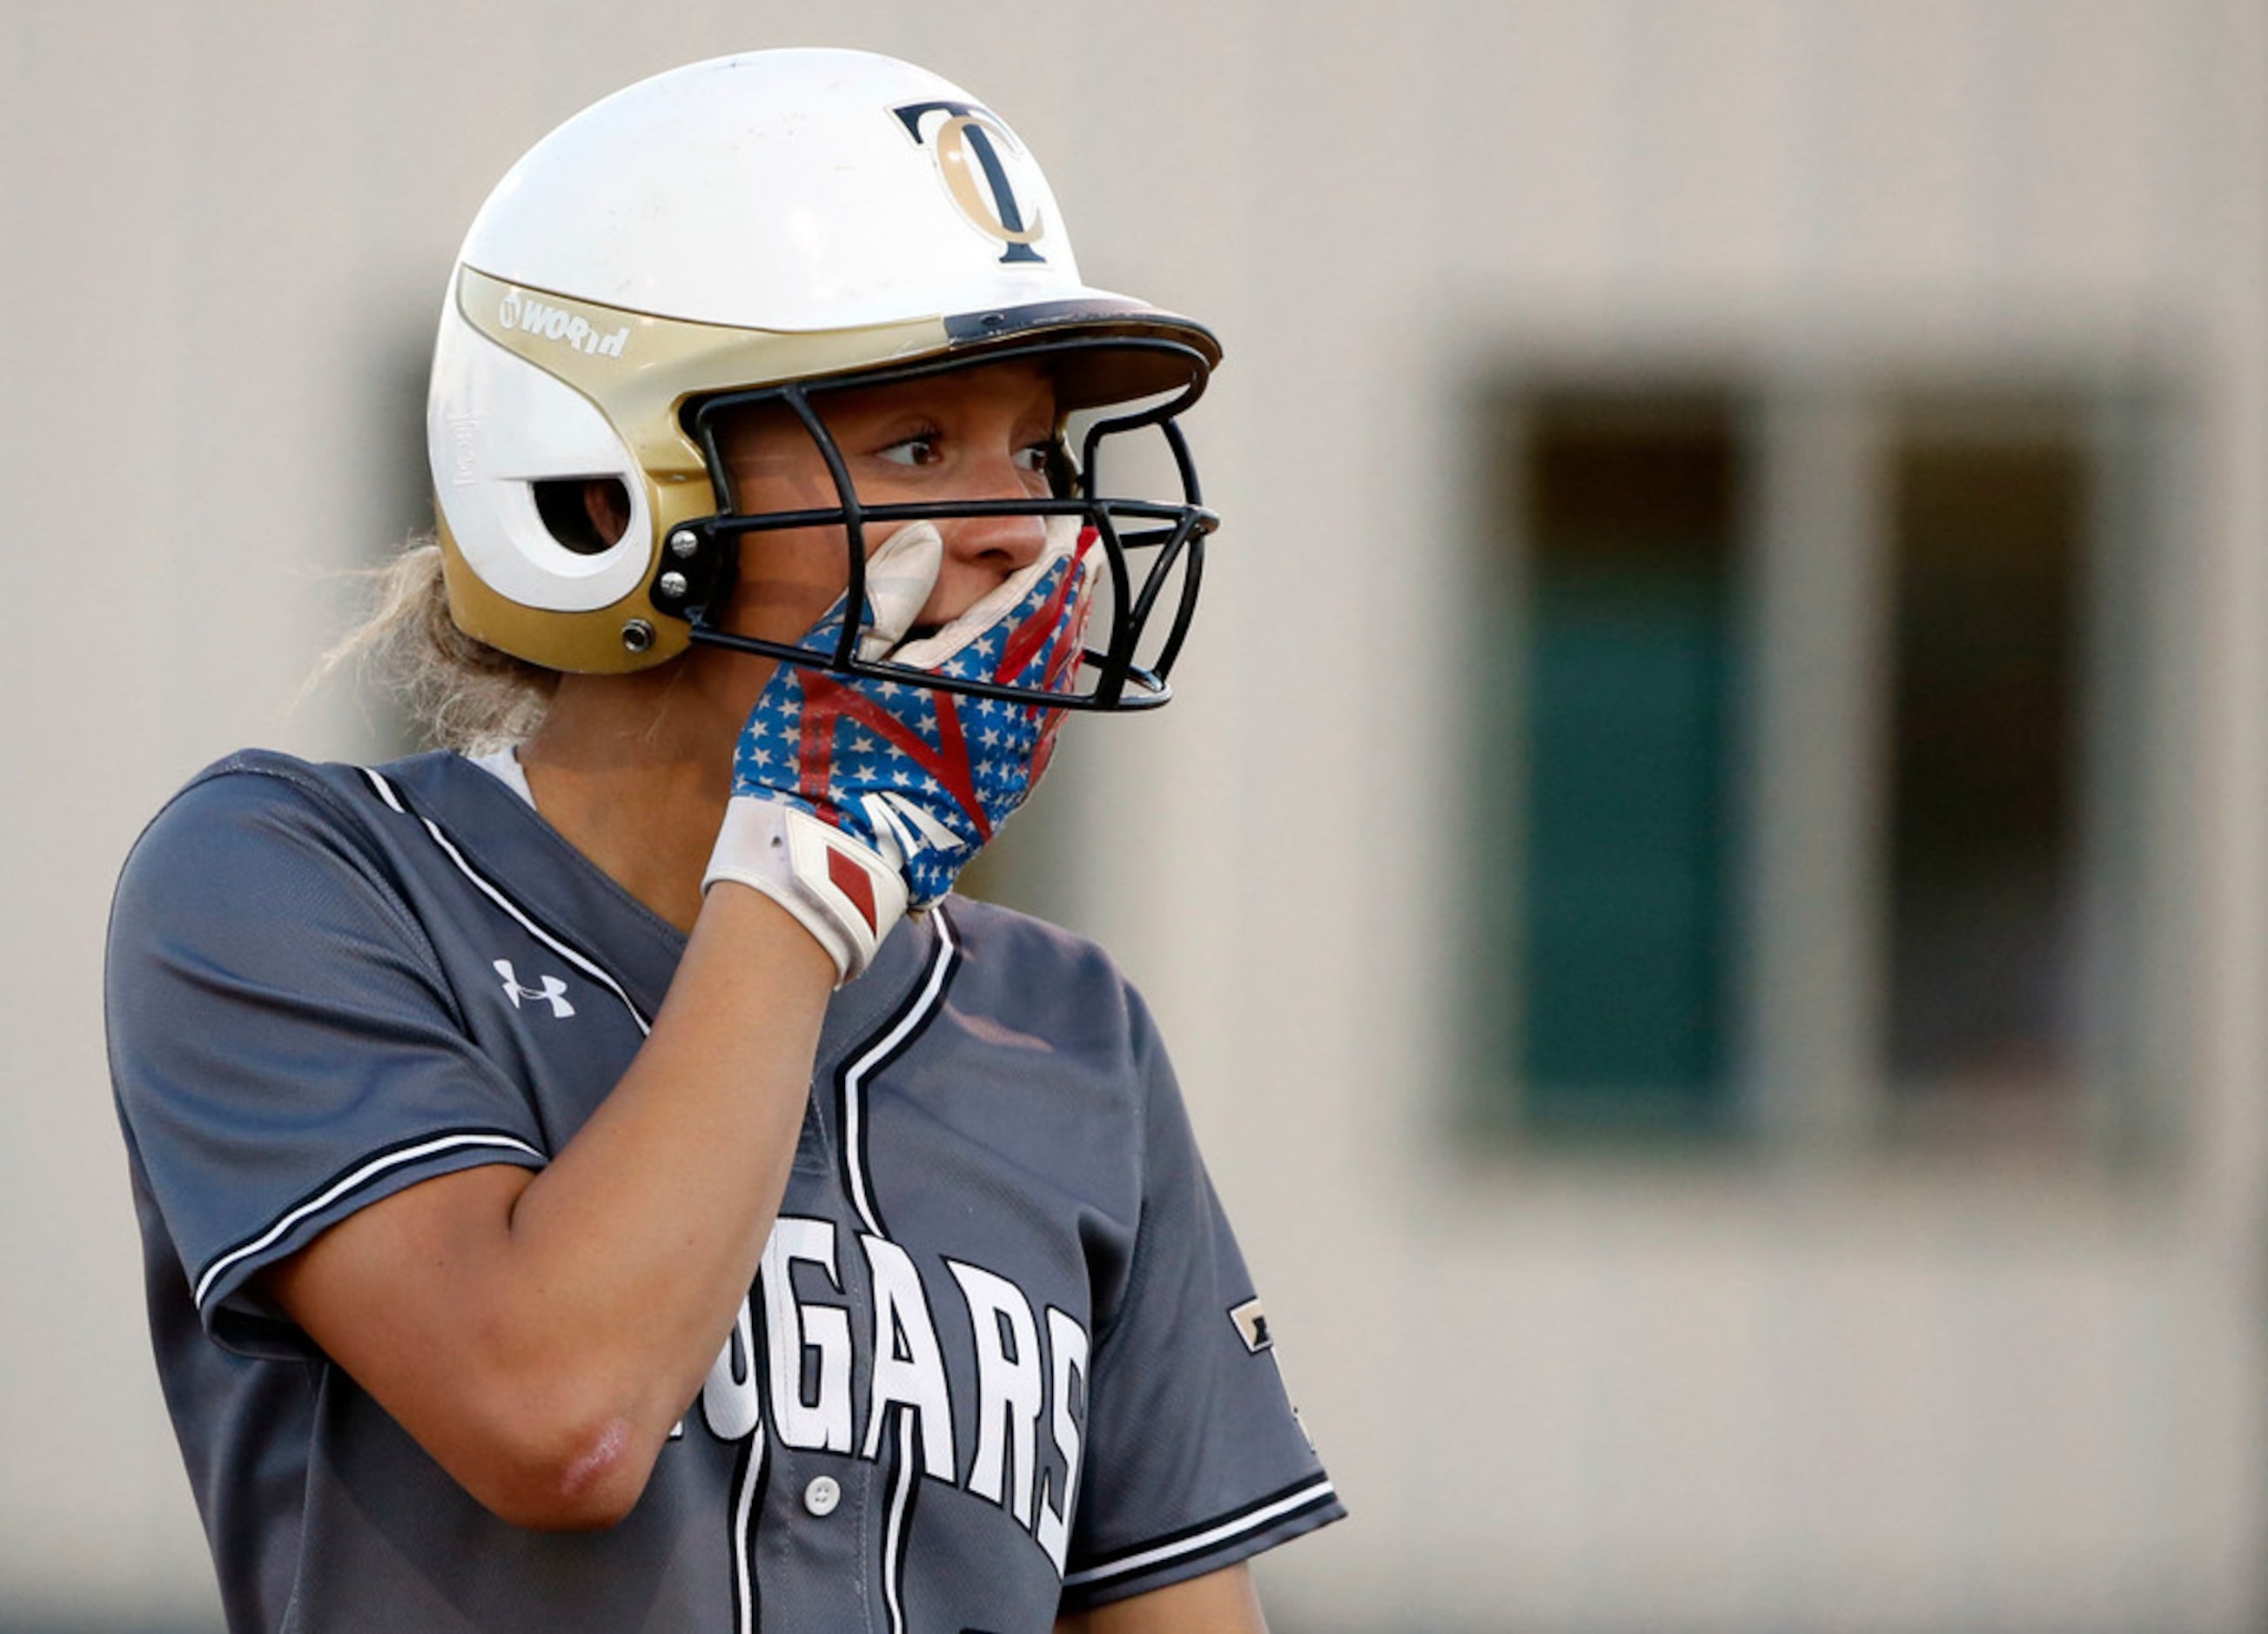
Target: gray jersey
{"x":1001,"y":1355}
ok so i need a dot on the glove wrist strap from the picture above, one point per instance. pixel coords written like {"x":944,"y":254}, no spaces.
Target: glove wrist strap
{"x":844,"y":892}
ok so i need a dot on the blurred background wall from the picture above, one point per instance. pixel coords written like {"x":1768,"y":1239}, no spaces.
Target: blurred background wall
{"x":1707,"y":880}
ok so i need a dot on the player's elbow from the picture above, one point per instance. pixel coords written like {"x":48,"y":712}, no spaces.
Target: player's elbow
{"x":582,"y":1475}
{"x":595,"y":1479}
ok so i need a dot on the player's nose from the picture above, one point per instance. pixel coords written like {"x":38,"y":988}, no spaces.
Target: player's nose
{"x":1000,"y":543}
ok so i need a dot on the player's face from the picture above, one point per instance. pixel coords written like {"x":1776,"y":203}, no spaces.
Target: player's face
{"x":979,"y":433}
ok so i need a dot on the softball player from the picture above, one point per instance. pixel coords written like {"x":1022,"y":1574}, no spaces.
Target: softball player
{"x":611,"y":1182}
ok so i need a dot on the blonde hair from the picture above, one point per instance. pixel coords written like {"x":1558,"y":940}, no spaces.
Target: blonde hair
{"x":457,"y":693}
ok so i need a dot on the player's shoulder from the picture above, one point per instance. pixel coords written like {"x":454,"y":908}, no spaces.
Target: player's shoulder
{"x":255,"y":799}
{"x":1017,"y":944}
{"x":252,"y":814}
{"x":1014,"y":962}
{"x":254,"y":783}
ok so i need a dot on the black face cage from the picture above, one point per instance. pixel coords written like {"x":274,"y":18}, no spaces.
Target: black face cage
{"x":700,"y":559}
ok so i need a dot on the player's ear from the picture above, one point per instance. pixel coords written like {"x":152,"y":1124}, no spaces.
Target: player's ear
{"x":588,"y":515}
{"x":608,"y":505}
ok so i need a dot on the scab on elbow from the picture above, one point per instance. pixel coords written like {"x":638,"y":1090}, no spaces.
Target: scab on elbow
{"x":587,"y":1485}
{"x":601,"y":1485}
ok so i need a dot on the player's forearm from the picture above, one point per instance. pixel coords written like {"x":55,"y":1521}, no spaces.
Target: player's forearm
{"x":540,"y":1336}
{"x":642,"y":1238}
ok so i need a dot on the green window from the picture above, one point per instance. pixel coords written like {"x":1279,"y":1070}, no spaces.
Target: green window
{"x":1607,"y":790}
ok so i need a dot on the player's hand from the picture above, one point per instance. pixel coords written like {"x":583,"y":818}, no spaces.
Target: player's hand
{"x":854,"y":797}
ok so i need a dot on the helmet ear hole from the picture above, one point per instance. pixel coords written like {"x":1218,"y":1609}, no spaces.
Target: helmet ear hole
{"x":588,"y":515}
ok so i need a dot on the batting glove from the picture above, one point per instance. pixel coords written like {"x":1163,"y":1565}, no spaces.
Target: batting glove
{"x":856,"y":797}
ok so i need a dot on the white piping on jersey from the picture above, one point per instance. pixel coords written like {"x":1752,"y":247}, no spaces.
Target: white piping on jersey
{"x":362,"y":1176}
{"x":386,"y":792}
{"x":854,"y":1076}
{"x":743,"y":1505}
{"x":1314,"y":1492}
{"x":893,"y":1526}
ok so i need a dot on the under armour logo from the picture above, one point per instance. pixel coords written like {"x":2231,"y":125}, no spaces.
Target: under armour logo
{"x":553,"y":992}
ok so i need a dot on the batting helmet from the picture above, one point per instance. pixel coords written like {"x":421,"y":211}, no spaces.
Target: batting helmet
{"x":768,"y":227}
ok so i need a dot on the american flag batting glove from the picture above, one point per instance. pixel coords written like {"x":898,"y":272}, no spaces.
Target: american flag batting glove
{"x":854,"y":797}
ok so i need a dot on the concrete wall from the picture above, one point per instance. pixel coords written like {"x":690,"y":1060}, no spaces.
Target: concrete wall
{"x":1817,"y":1388}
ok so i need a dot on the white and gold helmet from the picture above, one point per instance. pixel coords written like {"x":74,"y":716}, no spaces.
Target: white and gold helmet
{"x":768,"y":227}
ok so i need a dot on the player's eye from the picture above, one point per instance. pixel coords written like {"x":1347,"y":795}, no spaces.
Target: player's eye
{"x":918,"y":450}
{"x":1033,"y":459}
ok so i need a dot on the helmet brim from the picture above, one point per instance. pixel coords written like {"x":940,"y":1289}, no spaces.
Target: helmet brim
{"x":1100,"y":350}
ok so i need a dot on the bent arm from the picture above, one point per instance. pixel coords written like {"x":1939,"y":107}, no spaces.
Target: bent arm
{"x":540,"y":1333}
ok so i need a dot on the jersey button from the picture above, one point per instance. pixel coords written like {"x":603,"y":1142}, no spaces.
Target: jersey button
{"x":822,"y":1495}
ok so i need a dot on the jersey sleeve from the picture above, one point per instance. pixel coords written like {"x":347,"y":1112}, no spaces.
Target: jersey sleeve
{"x":1197,"y":1459}
{"x":283,"y":1045}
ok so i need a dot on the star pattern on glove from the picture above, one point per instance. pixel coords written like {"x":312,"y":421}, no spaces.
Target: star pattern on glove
{"x":891,"y":764}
